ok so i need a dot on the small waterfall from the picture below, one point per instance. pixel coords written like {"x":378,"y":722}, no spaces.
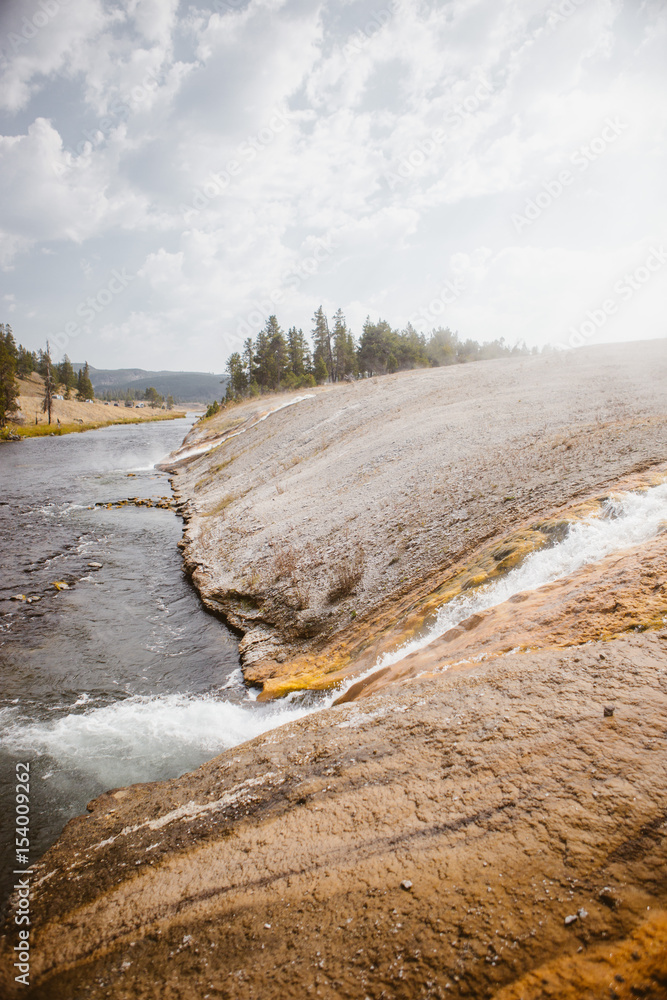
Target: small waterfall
{"x":623,"y":522}
{"x":164,"y":735}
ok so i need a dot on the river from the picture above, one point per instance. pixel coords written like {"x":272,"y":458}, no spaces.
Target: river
{"x":123,"y":677}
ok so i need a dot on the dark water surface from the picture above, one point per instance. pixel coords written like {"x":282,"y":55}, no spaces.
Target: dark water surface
{"x":123,"y":677}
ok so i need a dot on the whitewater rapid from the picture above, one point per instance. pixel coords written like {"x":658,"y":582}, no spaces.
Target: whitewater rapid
{"x":122,"y":743}
{"x":160,"y":736}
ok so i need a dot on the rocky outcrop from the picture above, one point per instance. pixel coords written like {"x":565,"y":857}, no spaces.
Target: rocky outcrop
{"x":493,"y":831}
{"x":310,"y":527}
{"x":625,"y":592}
{"x":491,"y":834}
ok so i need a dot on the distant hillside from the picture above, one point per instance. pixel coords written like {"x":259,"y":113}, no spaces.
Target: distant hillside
{"x":185,"y":387}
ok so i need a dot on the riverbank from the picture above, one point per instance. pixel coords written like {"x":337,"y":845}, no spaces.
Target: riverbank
{"x":487,"y":835}
{"x":316,"y":529}
{"x":70,"y":416}
{"x":492,"y":830}
{"x":107,"y":655}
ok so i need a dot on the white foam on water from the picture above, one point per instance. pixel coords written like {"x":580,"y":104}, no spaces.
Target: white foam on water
{"x":623,"y":522}
{"x":235,"y":680}
{"x":143,"y":738}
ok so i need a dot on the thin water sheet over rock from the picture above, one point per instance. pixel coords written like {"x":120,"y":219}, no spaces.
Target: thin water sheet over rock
{"x":625,"y":592}
{"x":505,"y":796}
{"x":317,"y":528}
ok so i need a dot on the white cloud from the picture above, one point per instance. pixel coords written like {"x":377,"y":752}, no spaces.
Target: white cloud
{"x":162,"y":268}
{"x":221,"y":152}
{"x":42,"y":40}
{"x":154,"y":19}
{"x":48,"y":194}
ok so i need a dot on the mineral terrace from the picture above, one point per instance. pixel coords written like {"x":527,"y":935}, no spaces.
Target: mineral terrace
{"x":484,"y":819}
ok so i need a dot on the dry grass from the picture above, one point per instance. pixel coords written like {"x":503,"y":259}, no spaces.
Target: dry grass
{"x":74,"y":415}
{"x":346,"y":574}
{"x":222,"y":504}
{"x":284,"y":562}
{"x":211,"y":474}
{"x":221,"y":465}
{"x":285,"y":566}
{"x":295,"y":570}
{"x":56,"y":430}
{"x":289,"y":463}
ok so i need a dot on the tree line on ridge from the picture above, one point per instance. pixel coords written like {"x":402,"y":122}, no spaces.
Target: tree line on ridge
{"x":276,"y":361}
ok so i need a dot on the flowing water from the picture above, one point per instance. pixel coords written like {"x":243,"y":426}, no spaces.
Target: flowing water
{"x":623,"y":522}
{"x":124,"y":676}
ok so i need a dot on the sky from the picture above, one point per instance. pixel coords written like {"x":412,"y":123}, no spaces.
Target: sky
{"x":171,"y":173}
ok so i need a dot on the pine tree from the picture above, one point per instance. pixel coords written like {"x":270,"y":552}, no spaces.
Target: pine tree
{"x":84,"y":387}
{"x":322,"y":343}
{"x":344,"y":352}
{"x":26,"y":362}
{"x":260,"y":360}
{"x":270,"y":359}
{"x":247,"y":359}
{"x":42,"y":362}
{"x":8,"y":387}
{"x":297,"y":350}
{"x":441,"y":347}
{"x":352,"y":361}
{"x":321,"y":373}
{"x":375,"y":347}
{"x":238,"y":380}
{"x":154,"y":397}
{"x":66,"y":376}
{"x":278,"y":357}
{"x":49,"y":382}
